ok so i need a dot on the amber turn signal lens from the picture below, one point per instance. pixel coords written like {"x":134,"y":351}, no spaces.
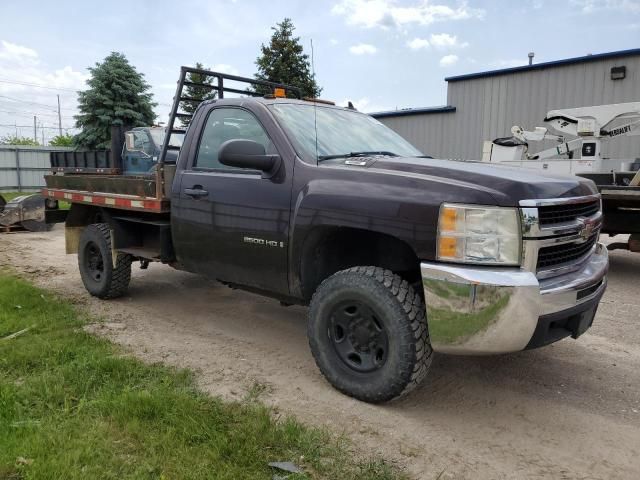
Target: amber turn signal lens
{"x":448,"y":219}
{"x":447,"y":247}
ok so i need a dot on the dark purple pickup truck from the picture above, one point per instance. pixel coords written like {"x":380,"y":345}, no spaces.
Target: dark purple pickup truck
{"x":398,"y":255}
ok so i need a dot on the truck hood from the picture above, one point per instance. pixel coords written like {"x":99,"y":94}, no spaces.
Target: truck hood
{"x":507,"y":185}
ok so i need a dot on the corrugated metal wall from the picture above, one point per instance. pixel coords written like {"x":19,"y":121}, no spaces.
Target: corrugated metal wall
{"x":24,"y":167}
{"x":487,"y":107}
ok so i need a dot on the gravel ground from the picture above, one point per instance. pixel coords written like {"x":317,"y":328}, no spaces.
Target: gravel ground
{"x":570,"y":410}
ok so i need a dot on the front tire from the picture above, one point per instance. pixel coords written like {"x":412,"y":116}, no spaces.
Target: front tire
{"x":95,"y":259}
{"x":368,"y":334}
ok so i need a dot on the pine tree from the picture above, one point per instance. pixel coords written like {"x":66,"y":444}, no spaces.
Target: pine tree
{"x":283,"y":61}
{"x":197,"y":93}
{"x":117,"y":95}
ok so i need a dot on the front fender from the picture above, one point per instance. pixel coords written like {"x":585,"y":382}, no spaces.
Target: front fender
{"x":394,"y":211}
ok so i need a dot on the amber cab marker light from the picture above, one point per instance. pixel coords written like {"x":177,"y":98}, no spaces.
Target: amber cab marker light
{"x":279,"y":93}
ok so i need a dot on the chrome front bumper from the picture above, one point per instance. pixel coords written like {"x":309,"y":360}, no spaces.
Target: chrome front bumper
{"x":483,"y":310}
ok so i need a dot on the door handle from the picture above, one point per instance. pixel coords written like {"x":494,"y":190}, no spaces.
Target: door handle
{"x":196,"y":192}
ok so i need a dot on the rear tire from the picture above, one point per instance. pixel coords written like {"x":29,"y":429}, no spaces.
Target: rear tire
{"x":368,"y":334}
{"x":100,"y":277}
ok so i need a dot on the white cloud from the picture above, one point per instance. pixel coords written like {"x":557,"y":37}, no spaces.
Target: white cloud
{"x":448,"y":60}
{"x":17,"y":53}
{"x":444,"y":40}
{"x":31,"y":90}
{"x":418,"y":43}
{"x":364,"y":104}
{"x":590,"y":6}
{"x":509,"y":63}
{"x":22,"y":65}
{"x":333,"y":41}
{"x":388,"y":13}
{"x":225,"y":68}
{"x":65,"y":77}
{"x":363,"y":49}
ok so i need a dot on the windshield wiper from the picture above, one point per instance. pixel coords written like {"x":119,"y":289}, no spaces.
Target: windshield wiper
{"x":357,"y":154}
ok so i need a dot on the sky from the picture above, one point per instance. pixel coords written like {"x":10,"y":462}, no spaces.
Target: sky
{"x":379,"y":54}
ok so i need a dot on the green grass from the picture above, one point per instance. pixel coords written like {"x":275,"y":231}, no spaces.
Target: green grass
{"x":8,"y":196}
{"x":74,"y":406}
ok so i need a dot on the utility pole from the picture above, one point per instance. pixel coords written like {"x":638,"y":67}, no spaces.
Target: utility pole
{"x":59,"y":117}
{"x":35,"y":130}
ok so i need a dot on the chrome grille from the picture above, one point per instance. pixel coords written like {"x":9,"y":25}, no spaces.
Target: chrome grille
{"x":552,"y":214}
{"x":555,"y":255}
{"x":559,"y":234}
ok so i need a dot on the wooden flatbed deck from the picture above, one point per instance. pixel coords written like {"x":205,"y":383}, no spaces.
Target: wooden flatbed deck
{"x":137,"y":193}
{"x":136,"y":185}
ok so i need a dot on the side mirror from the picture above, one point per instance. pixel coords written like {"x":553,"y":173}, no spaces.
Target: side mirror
{"x":130,"y":144}
{"x":248,"y":154}
{"x":129,"y":141}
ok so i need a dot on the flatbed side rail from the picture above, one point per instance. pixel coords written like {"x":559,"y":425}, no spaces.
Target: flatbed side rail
{"x":111,"y":200}
{"x":220,"y":88}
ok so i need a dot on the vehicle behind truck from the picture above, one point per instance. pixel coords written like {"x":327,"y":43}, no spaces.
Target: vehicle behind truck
{"x":579,"y":136}
{"x":397,"y":255}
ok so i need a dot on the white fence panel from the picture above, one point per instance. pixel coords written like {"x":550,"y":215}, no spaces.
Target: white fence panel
{"x":22,"y":168}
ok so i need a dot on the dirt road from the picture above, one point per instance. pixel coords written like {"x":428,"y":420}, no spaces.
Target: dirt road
{"x":570,"y":410}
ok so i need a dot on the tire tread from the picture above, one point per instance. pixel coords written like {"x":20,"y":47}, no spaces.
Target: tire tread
{"x":121,"y":272}
{"x":413,"y":370}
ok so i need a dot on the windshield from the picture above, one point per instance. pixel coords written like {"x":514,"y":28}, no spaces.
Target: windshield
{"x":158,"y":133}
{"x":340,"y":132}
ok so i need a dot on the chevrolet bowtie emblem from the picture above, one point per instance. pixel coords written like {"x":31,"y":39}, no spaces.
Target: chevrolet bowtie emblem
{"x":588,"y":228}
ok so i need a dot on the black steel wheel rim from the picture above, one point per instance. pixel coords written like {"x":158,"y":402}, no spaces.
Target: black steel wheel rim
{"x":358,"y":336}
{"x":93,"y":261}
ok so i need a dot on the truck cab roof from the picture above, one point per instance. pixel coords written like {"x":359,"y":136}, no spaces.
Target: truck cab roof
{"x":271,"y":100}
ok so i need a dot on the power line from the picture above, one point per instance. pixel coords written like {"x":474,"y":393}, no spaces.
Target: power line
{"x":11,"y":125}
{"x":27,"y":112}
{"x":35,"y":103}
{"x":29,"y":84}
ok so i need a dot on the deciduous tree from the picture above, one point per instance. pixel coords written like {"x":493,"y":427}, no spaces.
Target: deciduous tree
{"x":15,"y":140}
{"x":62,"y":141}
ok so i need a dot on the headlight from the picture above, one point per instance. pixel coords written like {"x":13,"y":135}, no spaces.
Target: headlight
{"x":474,"y":234}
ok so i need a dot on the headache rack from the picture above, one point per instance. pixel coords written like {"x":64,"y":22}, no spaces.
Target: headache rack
{"x":96,"y":177}
{"x":220,"y":85}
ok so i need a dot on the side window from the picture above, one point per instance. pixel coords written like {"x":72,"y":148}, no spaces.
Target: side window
{"x":142,"y":142}
{"x":228,"y":124}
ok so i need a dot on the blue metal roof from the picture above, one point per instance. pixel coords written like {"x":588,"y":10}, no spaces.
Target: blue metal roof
{"x":540,"y":66}
{"x":414,"y":111}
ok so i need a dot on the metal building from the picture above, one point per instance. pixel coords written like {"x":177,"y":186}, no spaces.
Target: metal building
{"x":484,"y":106}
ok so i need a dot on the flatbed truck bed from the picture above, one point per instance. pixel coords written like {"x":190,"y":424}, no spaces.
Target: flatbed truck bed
{"x":620,"y":203}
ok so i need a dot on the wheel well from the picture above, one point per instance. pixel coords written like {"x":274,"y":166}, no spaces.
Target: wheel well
{"x":83,"y":215}
{"x":329,"y":250}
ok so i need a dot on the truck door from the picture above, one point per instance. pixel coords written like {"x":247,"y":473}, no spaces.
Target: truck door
{"x":230,"y":223}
